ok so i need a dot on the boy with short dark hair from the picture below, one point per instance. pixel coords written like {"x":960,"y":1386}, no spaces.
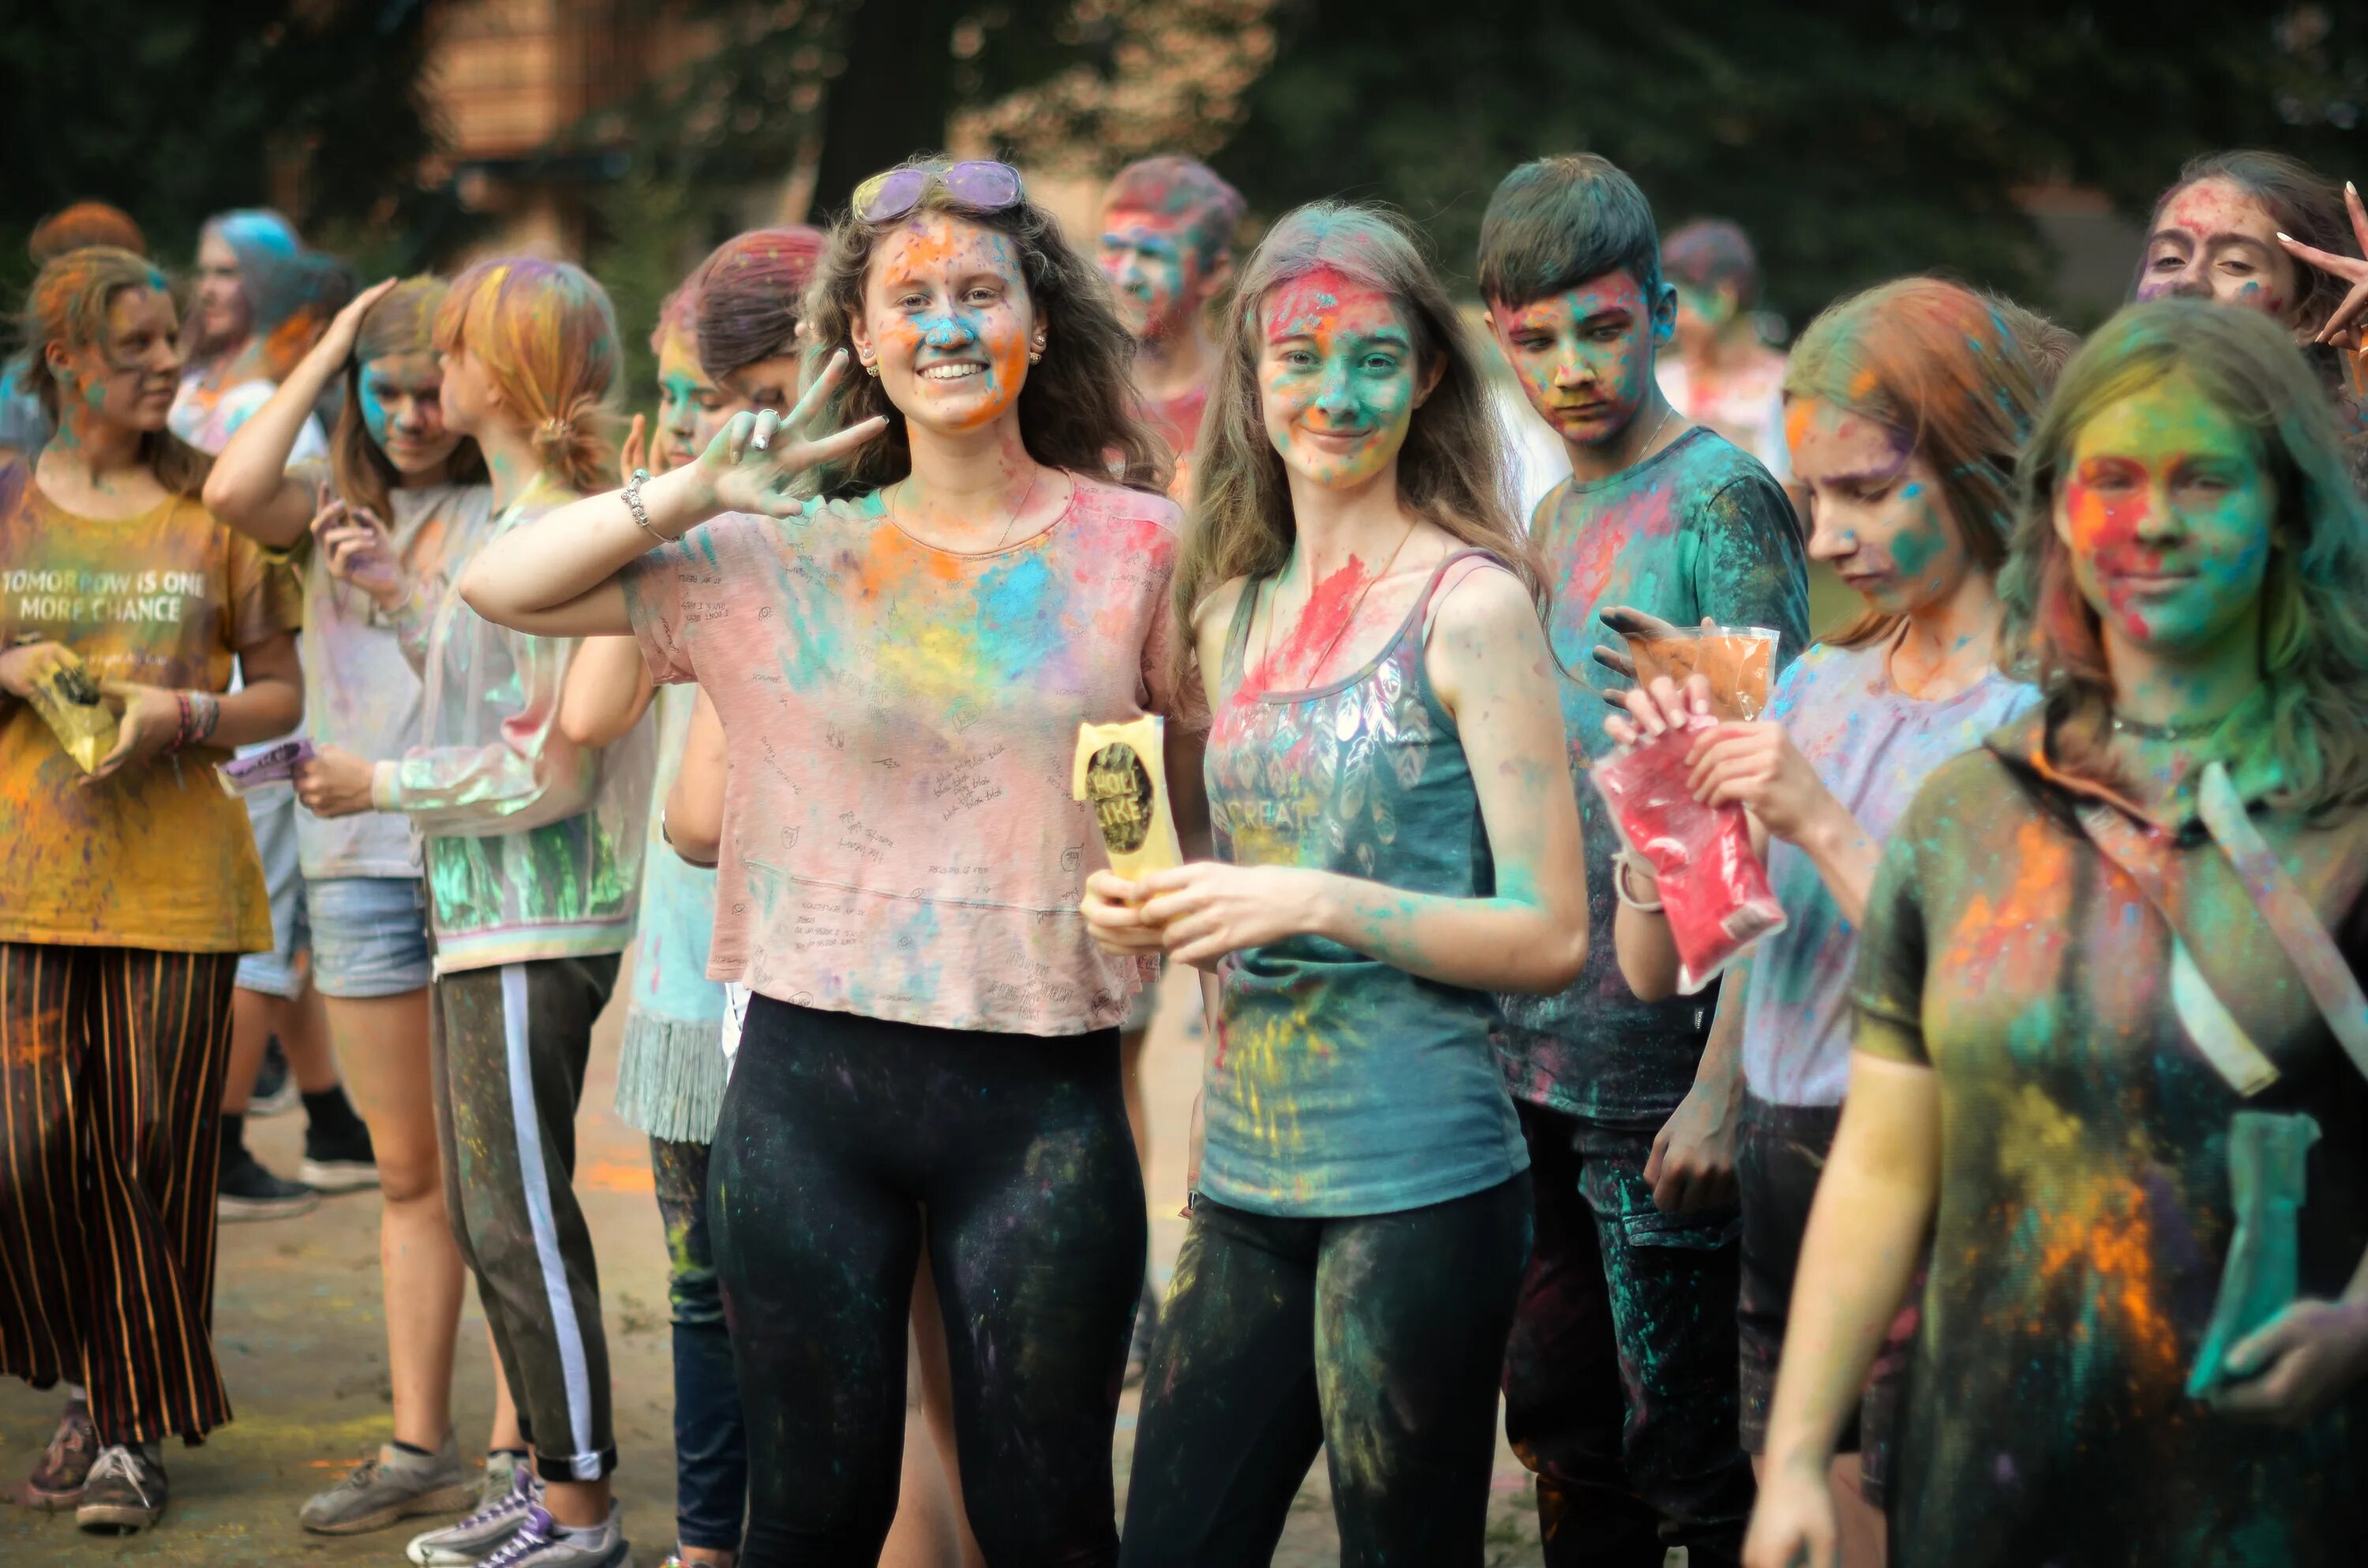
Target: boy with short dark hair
{"x":1167,"y":249}
{"x":1621,"y":1376}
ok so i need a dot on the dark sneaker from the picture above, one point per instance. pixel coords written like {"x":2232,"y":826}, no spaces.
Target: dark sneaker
{"x":1146,"y":1333}
{"x":502,"y":1507}
{"x":250,"y":1192}
{"x":397,"y":1484}
{"x":338,"y":1161}
{"x":125,"y":1492}
{"x":539,"y":1543}
{"x":275,"y":1086}
{"x":56,"y":1483}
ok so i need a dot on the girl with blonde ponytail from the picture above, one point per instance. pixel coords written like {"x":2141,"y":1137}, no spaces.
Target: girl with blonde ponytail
{"x":532,"y":841}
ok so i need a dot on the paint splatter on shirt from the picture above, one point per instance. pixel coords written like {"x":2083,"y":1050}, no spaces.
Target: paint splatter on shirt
{"x":1872,"y":746}
{"x":157,"y":857}
{"x":899,"y":840}
{"x":1343,"y":1086}
{"x":2085,"y":1206}
{"x":1699,"y":529}
{"x":360,"y":692}
{"x":532,"y":845}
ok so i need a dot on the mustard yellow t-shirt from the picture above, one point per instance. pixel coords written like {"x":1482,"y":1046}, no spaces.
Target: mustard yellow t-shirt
{"x":157,"y":856}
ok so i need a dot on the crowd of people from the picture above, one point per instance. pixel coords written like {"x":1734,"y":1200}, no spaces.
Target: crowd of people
{"x":2006,"y":1205}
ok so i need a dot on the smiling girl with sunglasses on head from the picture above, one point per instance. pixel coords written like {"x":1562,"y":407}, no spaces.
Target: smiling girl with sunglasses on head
{"x":902,"y":625}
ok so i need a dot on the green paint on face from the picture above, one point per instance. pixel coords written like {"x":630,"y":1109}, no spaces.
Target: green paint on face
{"x":1338,"y":379}
{"x":2170,"y":516}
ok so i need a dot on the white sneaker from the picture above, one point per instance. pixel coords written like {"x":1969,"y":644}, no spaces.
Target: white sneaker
{"x":471,"y":1540}
{"x":542,"y":1543}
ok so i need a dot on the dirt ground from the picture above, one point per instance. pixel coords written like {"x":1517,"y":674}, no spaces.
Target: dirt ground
{"x":299,"y":1330}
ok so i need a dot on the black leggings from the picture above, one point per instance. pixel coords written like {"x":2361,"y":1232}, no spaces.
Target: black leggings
{"x":838,"y":1130}
{"x":1380,"y":1339}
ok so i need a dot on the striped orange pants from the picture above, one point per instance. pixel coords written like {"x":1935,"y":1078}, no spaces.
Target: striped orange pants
{"x":111,"y":1063}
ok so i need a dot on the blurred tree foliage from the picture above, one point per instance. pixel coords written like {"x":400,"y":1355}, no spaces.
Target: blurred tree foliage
{"x":174,"y":112}
{"x":844,"y":87}
{"x":1856,"y":140}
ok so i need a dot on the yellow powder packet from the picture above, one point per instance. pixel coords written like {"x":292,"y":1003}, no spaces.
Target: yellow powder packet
{"x":68,"y":700}
{"x":1121,"y":770}
{"x":1735,"y":660}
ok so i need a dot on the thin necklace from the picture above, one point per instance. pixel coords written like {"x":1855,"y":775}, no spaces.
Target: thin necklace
{"x":2172,"y":734}
{"x":1266,"y":653}
{"x":1646,"y":449}
{"x":1010,"y":519}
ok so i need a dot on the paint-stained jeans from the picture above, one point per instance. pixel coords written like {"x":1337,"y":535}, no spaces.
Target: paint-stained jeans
{"x":507,"y":1050}
{"x":1620,"y":1381}
{"x":710,"y":1449}
{"x":837,"y":1132}
{"x":1377,"y":1338}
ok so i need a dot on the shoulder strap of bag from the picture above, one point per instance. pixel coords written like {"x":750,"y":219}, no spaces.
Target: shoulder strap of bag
{"x":2290,"y":917}
{"x":2242,"y":1065}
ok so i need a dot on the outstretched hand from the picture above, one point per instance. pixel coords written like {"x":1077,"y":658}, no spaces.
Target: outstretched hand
{"x":2343,"y":323}
{"x":756,"y":460}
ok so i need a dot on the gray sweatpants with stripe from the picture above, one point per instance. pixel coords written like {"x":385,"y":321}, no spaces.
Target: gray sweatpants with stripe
{"x":509,"y":1046}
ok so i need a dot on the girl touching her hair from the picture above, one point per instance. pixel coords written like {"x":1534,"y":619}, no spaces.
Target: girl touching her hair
{"x":396,"y":467}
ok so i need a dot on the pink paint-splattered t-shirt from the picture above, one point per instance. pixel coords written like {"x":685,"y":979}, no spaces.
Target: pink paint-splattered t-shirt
{"x":898,"y":836}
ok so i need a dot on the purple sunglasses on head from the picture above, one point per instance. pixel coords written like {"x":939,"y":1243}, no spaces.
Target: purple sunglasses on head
{"x":979,"y":183}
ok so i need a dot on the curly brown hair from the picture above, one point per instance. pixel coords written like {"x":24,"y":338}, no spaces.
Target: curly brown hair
{"x":1077,"y":406}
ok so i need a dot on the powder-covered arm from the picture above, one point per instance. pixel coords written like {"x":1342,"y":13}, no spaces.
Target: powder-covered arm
{"x":527,"y":776}
{"x":559,"y":574}
{"x":1867,"y":1228}
{"x":1489,"y":660}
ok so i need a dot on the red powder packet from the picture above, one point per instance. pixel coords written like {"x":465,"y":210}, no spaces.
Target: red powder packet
{"x":1715,"y":891}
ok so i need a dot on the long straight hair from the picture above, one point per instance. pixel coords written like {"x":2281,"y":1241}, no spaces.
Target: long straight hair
{"x":1453,"y":470}
{"x":2314,"y":623}
{"x":402,"y":321}
{"x":68,"y":305}
{"x":547,"y":336}
{"x":1939,"y":366}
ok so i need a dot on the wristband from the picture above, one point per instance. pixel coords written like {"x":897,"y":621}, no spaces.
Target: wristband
{"x":641,"y":513}
{"x":1621,"y":864}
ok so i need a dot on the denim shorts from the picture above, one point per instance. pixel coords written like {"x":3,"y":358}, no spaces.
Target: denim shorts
{"x":369,"y":936}
{"x":280,"y":972}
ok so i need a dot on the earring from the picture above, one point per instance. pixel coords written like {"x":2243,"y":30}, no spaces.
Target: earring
{"x":1036,"y":355}
{"x":871,"y":368}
